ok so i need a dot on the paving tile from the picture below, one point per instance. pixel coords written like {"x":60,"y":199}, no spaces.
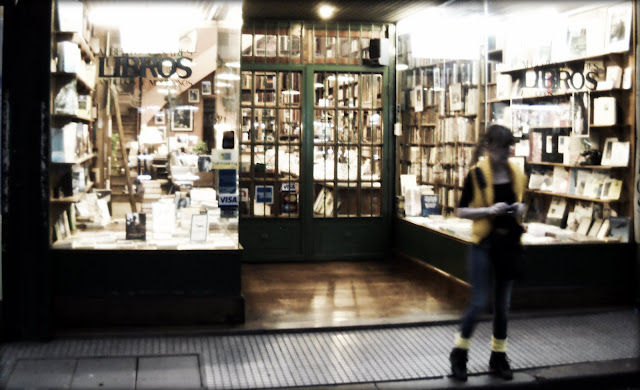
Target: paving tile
{"x":105,"y":373}
{"x":395,"y":357}
{"x":42,"y":373}
{"x":168,"y":372}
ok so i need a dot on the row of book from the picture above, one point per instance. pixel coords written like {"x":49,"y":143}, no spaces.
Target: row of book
{"x":444,"y":154}
{"x":464,"y":72}
{"x":456,"y":129}
{"x":587,"y":183}
{"x":586,"y":220}
{"x":422,"y":135}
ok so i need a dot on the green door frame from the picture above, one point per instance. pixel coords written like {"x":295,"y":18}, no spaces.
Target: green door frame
{"x":273,"y":239}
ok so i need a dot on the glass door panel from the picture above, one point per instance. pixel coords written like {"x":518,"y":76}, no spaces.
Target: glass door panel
{"x":270,"y":144}
{"x":348,"y":136}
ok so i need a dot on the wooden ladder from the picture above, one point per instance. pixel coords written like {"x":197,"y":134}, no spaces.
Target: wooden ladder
{"x":125,"y":158}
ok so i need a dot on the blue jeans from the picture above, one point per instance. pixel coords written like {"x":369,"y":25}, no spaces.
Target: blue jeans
{"x":482,"y":273}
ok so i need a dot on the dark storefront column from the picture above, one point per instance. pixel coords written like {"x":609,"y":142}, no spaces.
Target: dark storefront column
{"x":25,"y":140}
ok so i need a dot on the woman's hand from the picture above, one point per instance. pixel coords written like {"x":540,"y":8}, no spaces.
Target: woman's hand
{"x":500,"y":208}
{"x":518,"y":209}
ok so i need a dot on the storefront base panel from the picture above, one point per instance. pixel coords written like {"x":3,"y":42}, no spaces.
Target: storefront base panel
{"x":75,"y":312}
{"x":146,"y":287}
{"x":557,"y":276}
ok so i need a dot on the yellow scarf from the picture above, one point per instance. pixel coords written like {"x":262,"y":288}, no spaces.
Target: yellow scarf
{"x":481,"y":227}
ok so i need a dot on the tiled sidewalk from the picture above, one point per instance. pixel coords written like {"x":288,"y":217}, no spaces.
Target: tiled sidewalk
{"x":310,"y":358}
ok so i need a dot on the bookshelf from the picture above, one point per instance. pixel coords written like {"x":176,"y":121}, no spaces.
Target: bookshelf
{"x":73,"y":79}
{"x":562,"y":130}
{"x":440,"y":117}
{"x":571,"y":107}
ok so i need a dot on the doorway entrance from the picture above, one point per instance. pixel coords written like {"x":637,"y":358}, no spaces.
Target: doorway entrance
{"x":314,"y":166}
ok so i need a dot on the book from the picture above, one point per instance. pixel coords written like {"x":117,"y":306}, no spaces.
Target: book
{"x":596,"y":69}
{"x":607,"y":152}
{"x":604,"y":230}
{"x":611,"y":189}
{"x":614,"y":76}
{"x":455,"y":97}
{"x":619,"y":228}
{"x":595,"y":227}
{"x":593,"y":187}
{"x":163,"y":217}
{"x":583,"y":227}
{"x":620,"y":153}
{"x":560,"y":180}
{"x":136,"y":228}
{"x":582,"y":177}
{"x":537,"y":177}
{"x":535,"y":145}
{"x":604,"y":111}
{"x":557,"y":211}
{"x":503,"y":86}
{"x":573,"y":222}
{"x":430,"y":205}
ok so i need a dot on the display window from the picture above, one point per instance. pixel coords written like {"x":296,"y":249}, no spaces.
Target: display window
{"x":567,"y":92}
{"x":145,"y":129}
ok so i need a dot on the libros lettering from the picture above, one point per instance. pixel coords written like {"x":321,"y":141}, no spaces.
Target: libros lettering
{"x":140,"y":66}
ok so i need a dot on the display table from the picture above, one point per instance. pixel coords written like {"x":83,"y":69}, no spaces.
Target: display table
{"x":560,"y":274}
{"x":102,"y":279}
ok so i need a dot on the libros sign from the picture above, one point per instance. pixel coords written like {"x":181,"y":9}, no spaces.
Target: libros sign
{"x":140,"y":66}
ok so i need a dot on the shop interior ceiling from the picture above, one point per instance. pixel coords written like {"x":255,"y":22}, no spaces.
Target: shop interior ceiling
{"x":392,"y":11}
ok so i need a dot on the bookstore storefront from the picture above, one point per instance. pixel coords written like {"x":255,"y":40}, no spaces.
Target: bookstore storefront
{"x":131,"y":165}
{"x":124,"y":186}
{"x":568,"y":93}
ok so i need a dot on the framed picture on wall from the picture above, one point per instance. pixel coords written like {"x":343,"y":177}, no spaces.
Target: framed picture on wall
{"x":194,"y":95}
{"x":182,"y":119}
{"x":580,"y":114}
{"x":206,"y":88}
{"x":618,"y":30}
{"x":159,"y":118}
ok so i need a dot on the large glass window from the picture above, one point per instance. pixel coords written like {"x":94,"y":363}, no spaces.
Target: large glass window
{"x":144,"y":125}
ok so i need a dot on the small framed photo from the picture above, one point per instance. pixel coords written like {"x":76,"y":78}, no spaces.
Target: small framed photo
{"x":199,"y":227}
{"x":159,"y":118}
{"x":618,"y":29}
{"x":206,"y":88}
{"x":182,"y":119}
{"x":194,"y":95}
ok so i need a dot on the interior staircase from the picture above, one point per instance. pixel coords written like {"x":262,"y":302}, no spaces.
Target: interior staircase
{"x":130,"y":126}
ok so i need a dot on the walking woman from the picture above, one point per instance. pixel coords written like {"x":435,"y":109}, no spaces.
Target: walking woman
{"x":492,"y":199}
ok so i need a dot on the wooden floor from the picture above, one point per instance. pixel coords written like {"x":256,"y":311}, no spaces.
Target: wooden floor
{"x":328,"y":294}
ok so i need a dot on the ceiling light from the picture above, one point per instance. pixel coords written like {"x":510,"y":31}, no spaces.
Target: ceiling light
{"x":401,"y":67}
{"x":326,"y":11}
{"x":291,"y":92}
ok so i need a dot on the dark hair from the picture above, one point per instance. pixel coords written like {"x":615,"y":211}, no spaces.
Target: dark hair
{"x":496,"y":135}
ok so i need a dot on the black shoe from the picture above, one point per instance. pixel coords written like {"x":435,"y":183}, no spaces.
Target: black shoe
{"x":458,"y":360}
{"x":499,"y":365}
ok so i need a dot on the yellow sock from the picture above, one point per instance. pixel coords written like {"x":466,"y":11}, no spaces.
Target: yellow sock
{"x":461,"y":342}
{"x":498,"y":345}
